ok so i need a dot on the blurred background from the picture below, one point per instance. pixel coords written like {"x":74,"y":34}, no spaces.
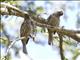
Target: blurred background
{"x":10,"y":28}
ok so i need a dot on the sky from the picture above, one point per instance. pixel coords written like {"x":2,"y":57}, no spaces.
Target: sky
{"x":71,"y":11}
{"x":37,"y":51}
{"x":71,"y":21}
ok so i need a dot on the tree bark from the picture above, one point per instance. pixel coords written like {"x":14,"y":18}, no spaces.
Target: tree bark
{"x":39,"y":21}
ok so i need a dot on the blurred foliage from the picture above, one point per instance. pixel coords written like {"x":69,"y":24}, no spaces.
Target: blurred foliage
{"x":1,"y":26}
{"x":68,"y":43}
{"x":78,"y":20}
{"x":39,"y":10}
{"x":30,"y":5}
{"x":7,"y":0}
{"x":4,"y":41}
{"x":7,"y":57}
{"x":76,"y":53}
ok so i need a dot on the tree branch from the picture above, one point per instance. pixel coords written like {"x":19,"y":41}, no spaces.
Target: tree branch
{"x":69,"y":33}
{"x":19,"y":12}
{"x":13,"y":42}
{"x":61,"y":46}
{"x":40,"y":21}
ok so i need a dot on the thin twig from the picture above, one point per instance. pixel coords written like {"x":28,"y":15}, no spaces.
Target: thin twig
{"x":13,"y":44}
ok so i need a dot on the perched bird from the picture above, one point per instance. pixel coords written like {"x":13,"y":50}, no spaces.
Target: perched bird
{"x":25,"y":31}
{"x":53,"y":20}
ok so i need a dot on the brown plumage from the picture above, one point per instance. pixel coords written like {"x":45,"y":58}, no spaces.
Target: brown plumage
{"x":53,"y":20}
{"x":25,"y":31}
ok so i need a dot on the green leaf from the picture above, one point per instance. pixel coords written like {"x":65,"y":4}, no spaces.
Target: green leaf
{"x":39,"y":10}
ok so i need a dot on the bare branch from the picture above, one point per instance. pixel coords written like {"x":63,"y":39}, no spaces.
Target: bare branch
{"x":13,"y":44}
{"x":19,"y":12}
{"x":61,"y":46}
{"x":42,"y":22}
{"x":13,"y":8}
{"x":69,"y":33}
